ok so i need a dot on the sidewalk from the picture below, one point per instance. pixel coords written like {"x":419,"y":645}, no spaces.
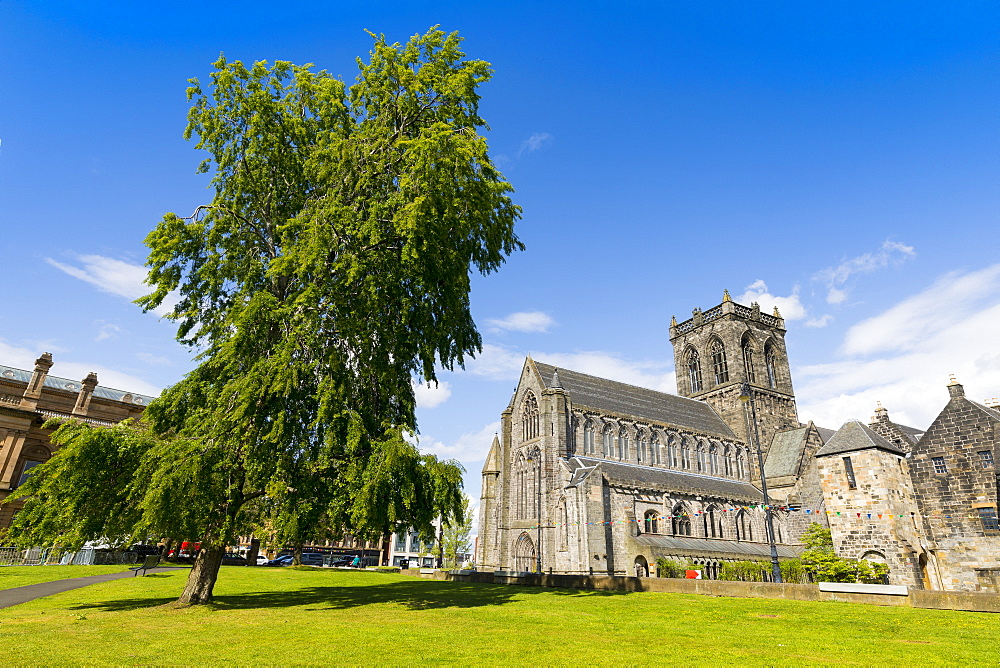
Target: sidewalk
{"x":18,"y":595}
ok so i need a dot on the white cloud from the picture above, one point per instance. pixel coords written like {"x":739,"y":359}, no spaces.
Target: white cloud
{"x":790,"y":307}
{"x":496,"y":363}
{"x":19,"y":357}
{"x":107,"y":331}
{"x":113,"y":276}
{"x":912,"y":321}
{"x":525,"y":321}
{"x":890,"y":253}
{"x":534,"y":143}
{"x":500,"y":363}
{"x":154,"y":360}
{"x":430,"y":395}
{"x":819,"y":322}
{"x":470,"y":448}
{"x":948,"y":328}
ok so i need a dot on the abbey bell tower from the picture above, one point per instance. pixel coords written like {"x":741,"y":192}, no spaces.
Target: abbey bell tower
{"x":717,"y":350}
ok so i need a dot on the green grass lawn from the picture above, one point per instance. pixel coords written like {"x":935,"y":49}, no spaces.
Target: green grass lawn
{"x":19,"y":576}
{"x":286,"y":616}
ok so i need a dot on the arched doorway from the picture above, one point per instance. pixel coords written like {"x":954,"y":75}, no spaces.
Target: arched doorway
{"x":641,"y":567}
{"x":922,"y":564}
{"x":524,"y":553}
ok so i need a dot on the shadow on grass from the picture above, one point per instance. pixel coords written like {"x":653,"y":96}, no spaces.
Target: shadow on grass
{"x":414,"y":595}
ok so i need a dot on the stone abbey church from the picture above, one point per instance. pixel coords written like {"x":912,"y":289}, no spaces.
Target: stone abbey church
{"x":589,"y":475}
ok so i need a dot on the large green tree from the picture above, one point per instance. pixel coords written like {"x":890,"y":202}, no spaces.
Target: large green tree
{"x":330,"y":270}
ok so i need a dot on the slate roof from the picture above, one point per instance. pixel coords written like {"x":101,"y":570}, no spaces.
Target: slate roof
{"x":610,"y":396}
{"x":682,"y":545}
{"x":647,"y":477}
{"x":784,"y":454}
{"x":912,"y":433}
{"x":855,"y":436}
{"x":826,"y":434}
{"x":67,"y":385}
{"x":991,"y":412}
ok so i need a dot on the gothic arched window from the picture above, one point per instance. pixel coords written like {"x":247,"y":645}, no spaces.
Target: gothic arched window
{"x":623,"y":444}
{"x":741,"y":527}
{"x":672,"y":451}
{"x":641,"y":448}
{"x":608,"y":444}
{"x":748,"y":359}
{"x":713,"y":529}
{"x":650,"y":521}
{"x":694,"y":370}
{"x":713,"y":460}
{"x":720,"y":368}
{"x":685,"y":454}
{"x":588,"y":438}
{"x":700,"y":456}
{"x":680,"y":521}
{"x":654,"y":449}
{"x":529,"y":418}
{"x":771,"y":364}
{"x":741,"y":465}
{"x":727,"y":461}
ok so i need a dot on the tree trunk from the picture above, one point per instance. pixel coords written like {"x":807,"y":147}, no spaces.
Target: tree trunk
{"x":202,"y":579}
{"x":297,"y":554}
{"x":441,"y":546}
{"x":167,"y":546}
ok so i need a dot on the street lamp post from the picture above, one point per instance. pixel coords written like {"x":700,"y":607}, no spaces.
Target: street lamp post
{"x":535,"y":455}
{"x":746,"y":396}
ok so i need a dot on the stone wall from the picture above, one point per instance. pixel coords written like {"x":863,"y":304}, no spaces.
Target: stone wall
{"x":865,"y":520}
{"x":952,"y":483}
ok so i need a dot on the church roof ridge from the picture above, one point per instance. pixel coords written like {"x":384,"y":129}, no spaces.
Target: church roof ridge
{"x":660,"y":478}
{"x":855,"y":435}
{"x":641,"y":402}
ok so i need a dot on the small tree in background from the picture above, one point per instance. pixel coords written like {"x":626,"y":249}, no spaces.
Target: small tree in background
{"x":455,"y":537}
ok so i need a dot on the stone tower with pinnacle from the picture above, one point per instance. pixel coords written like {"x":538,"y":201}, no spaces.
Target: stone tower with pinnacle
{"x":717,"y":350}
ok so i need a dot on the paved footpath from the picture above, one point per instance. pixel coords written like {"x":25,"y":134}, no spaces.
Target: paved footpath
{"x":18,"y":595}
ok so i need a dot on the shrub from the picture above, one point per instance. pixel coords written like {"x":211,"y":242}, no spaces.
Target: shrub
{"x":823,"y":564}
{"x":794,"y":571}
{"x":671,"y":568}
{"x":745,"y":571}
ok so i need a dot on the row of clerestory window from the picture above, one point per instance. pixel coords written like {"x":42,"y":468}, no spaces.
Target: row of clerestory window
{"x":715,"y":459}
{"x":720,"y":364}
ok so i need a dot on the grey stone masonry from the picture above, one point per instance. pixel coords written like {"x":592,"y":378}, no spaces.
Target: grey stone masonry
{"x":870,"y":501}
{"x":590,"y":475}
{"x":953,"y":467}
{"x":898,"y":434}
{"x":717,"y":350}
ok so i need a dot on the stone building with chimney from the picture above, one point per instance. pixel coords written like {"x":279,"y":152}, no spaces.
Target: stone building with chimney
{"x":29,"y":398}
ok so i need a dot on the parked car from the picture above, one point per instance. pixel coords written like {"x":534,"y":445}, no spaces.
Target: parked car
{"x":343,"y":561}
{"x":308,"y":559}
{"x":285,"y":560}
{"x":233,"y":560}
{"x":262,"y":559}
{"x":312,"y":559}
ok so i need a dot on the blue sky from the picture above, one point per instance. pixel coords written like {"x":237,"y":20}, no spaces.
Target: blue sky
{"x":838,"y":160}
